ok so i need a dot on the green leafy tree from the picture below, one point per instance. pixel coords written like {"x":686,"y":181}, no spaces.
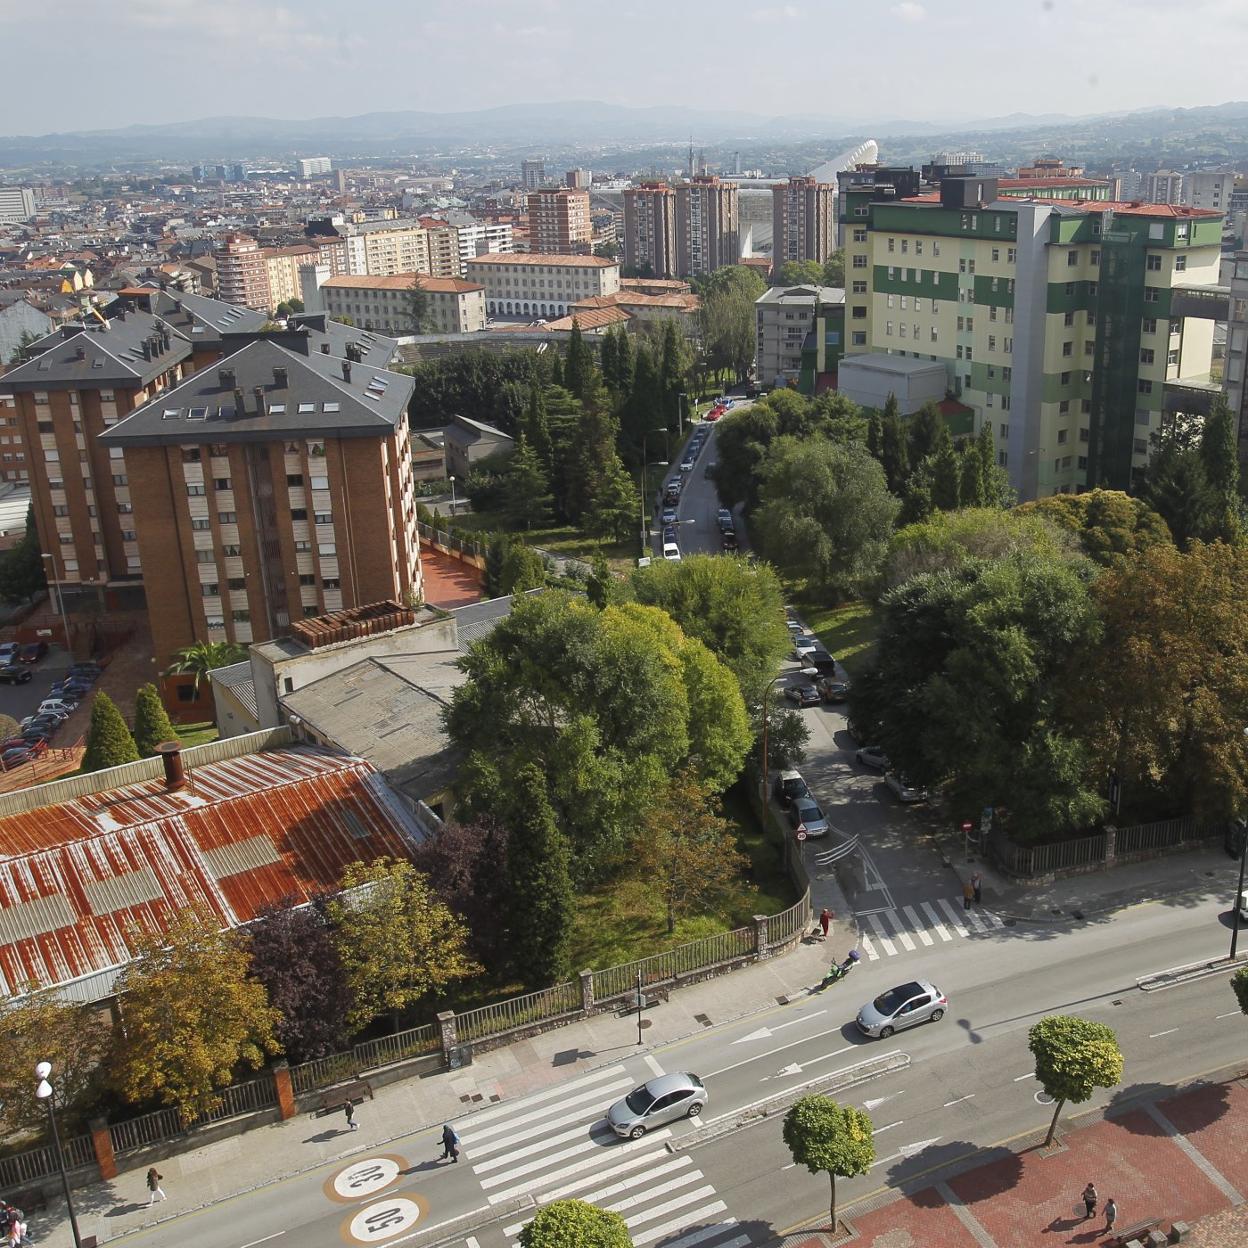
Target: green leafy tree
{"x":396,"y":938}
{"x":674,"y":363}
{"x":946,"y":477}
{"x":495,"y":559}
{"x":727,"y":320}
{"x":535,"y":427}
{"x":538,"y":865}
{"x":203,"y":657}
{"x":575,"y":1224}
{"x":834,"y":269}
{"x":418,"y":318}
{"x":926,"y":434}
{"x":895,"y":453}
{"x":193,"y":1015}
{"x":600,"y":584}
{"x":491,"y":386}
{"x":1112,"y":527}
{"x":22,"y":569}
{"x":787,"y":735}
{"x":1219,"y":452}
{"x":643,"y":408}
{"x":152,"y":725}
{"x":837,"y":1140}
{"x":26,"y":340}
{"x":609,"y":249}
{"x":1239,"y":986}
{"x":578,"y":369}
{"x":109,"y":743}
{"x":799,"y":273}
{"x":523,"y":569}
{"x":592,"y":456}
{"x":615,"y":506}
{"x":824,"y":513}
{"x":527,"y":499}
{"x":1074,"y":1056}
{"x":875,"y":436}
{"x":1176,"y":484}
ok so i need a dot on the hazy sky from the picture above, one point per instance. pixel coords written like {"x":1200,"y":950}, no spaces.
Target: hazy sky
{"x":85,"y":64}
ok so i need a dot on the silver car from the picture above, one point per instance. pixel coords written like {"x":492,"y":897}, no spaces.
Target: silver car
{"x":907,"y":1005}
{"x":656,"y":1103}
{"x":806,"y":815}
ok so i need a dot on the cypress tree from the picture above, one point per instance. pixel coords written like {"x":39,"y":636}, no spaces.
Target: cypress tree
{"x":875,"y":436}
{"x":580,"y":365}
{"x":495,"y":563}
{"x":893,"y":453}
{"x":609,"y":360}
{"x":538,"y":864}
{"x":151,"y":723}
{"x":109,"y":743}
{"x":535,"y":425}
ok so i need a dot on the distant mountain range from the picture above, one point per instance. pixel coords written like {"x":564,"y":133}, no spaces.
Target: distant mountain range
{"x":571,"y":123}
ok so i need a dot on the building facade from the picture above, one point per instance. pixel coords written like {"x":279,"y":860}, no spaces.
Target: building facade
{"x":1064,"y":326}
{"x":803,"y":221}
{"x":1209,"y":190}
{"x":270,"y":488}
{"x":1163,"y":187}
{"x":314,"y":166}
{"x":532,"y":174}
{"x":559,"y":222}
{"x":17,"y":203}
{"x":542,"y":286}
{"x":650,"y":229}
{"x":783,"y":316}
{"x":1236,"y":372}
{"x":243,"y":274}
{"x":452,"y":305}
{"x":707,"y":231}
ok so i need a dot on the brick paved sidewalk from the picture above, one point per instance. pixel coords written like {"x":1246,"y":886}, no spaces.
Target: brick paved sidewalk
{"x":448,"y":582}
{"x":1184,"y":1157}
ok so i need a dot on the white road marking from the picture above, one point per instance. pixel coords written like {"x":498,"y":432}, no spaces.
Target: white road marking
{"x":877,"y":1101}
{"x":891,"y":1125}
{"x":265,"y":1240}
{"x":583,"y":1131}
{"x":765,"y":1033}
{"x":588,"y":1163}
{"x":670,"y":1206}
{"x":677,"y":1224}
{"x":472,"y":1242}
{"x":908,"y":1151}
{"x":639,"y":1159}
{"x":869,"y":949}
{"x":593,"y":1094}
{"x":624,"y":1185}
{"x":745,"y":1061}
{"x":653,"y":1063}
{"x":1232,"y":1014}
{"x":919,"y":929}
{"x":975,"y":922}
{"x":952,"y":915}
{"x":1020,"y":1078}
{"x":937,"y":926}
{"x":885,"y":944}
{"x":704,"y":1233}
{"x":1156,"y":1034}
{"x":901,"y":933}
{"x":561,"y":1090}
{"x":967,"y":1097}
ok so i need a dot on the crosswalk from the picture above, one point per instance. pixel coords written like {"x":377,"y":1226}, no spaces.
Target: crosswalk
{"x":886,"y":933}
{"x":556,"y":1145}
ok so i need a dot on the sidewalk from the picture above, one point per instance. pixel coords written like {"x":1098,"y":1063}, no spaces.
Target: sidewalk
{"x":1183,"y":1157}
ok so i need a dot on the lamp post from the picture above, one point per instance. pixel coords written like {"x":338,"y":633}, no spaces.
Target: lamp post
{"x":452,"y":479}
{"x":802,"y":671}
{"x":645,"y":485}
{"x":1239,"y":888}
{"x":60,"y":598}
{"x":44,"y":1093}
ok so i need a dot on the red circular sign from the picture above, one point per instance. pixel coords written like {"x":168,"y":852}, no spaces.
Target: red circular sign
{"x":967,"y":825}
{"x":801,"y":836}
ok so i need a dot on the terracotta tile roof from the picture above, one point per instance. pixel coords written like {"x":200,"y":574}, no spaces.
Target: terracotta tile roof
{"x":77,"y":879}
{"x":635,"y":299}
{"x":403,"y":281}
{"x":521,"y":259}
{"x":591,"y":318}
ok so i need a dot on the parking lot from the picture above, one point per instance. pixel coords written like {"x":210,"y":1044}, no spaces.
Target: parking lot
{"x":21,"y":700}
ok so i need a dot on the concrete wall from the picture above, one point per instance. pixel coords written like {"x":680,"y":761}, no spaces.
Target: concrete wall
{"x":869,"y":384}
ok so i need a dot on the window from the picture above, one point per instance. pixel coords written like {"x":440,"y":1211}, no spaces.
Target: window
{"x":294,"y":478}
{"x":1083,"y":461}
{"x":959,"y":350}
{"x":1068,"y":348}
{"x":1140,"y":446}
{"x":918,"y":246}
{"x":221,"y":483}
{"x":1070,"y":288}
{"x":236,"y":582}
{"x":298,"y":513}
{"x":240,"y":617}
{"x":190,"y":454}
{"x":859,"y":338}
{"x":204,"y":556}
{"x":1072,"y":258}
{"x":1180,"y":263}
{"x":1094,"y":258}
{"x":1011,"y":254}
{"x":935,"y":248}
{"x":1172,"y":358}
{"x":892,"y":244}
{"x":905,"y":303}
{"x":860,"y":262}
{"x":60,"y":511}
{"x":891,"y":300}
{"x":859,"y":312}
{"x":227,"y":517}
{"x":1084,"y":435}
{"x":962,"y":265}
{"x":332,"y":582}
{"x":231,"y":549}
{"x":323,"y":517}
{"x":901,"y":330}
{"x":1154,"y":264}
{"x":1068,"y":319}
{"x":1065,"y":379}
{"x":1144,"y":386}
{"x":996,"y":254}
{"x":935,"y":336}
{"x":194,"y":490}
{"x":961,"y":323}
{"x":327,"y":548}
{"x":307,"y":579}
{"x":1146,"y":355}
{"x":210,"y":589}
{"x":860,"y":236}
{"x":200,"y":524}
{"x":892,"y":272}
{"x":888,"y":329}
{"x":860,"y":288}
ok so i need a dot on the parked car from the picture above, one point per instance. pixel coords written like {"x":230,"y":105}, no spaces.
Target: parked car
{"x":907,"y":1005}
{"x":669,"y":533}
{"x":686,"y":464}
{"x":27,"y":752}
{"x":58,"y":706}
{"x":789,"y":785}
{"x":671,"y":551}
{"x":806,"y":815}
{"x":724,"y":519}
{"x":833,"y":690}
{"x":802,"y":695}
{"x":823,"y":661}
{"x":15,"y":674}
{"x":669,"y":515}
{"x":796,"y":628}
{"x":33,"y":651}
{"x":42,"y":719}
{"x":872,"y":756}
{"x":803,"y":647}
{"x":903,"y":789}
{"x":728,"y":542}
{"x":8,"y":652}
{"x":657,"y":1103}
{"x":39,"y":732}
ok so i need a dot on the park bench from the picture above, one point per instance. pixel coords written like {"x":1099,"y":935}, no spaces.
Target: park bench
{"x":336,"y":1098}
{"x":1137,"y":1230}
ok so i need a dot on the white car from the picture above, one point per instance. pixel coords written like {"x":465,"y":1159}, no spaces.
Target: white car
{"x":804,"y":646}
{"x":903,"y":789}
{"x":671,"y":551}
{"x":873,"y":756}
{"x":1243,"y":906}
{"x":57,"y":706}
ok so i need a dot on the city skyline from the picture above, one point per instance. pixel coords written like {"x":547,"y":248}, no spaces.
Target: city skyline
{"x":258,"y":58}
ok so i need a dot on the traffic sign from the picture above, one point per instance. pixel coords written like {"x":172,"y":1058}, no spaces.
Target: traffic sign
{"x":967,"y":825}
{"x":801,"y":834}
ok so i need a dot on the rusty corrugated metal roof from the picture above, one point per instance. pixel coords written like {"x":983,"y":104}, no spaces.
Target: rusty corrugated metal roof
{"x":79,"y":879}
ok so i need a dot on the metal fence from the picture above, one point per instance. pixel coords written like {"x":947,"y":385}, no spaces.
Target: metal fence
{"x":138,"y":1132}
{"x":164,"y":1124}
{"x":615,"y":981}
{"x":1030,"y":860}
{"x":39,"y":1163}
{"x":397,"y":1048}
{"x":533,"y":1007}
{"x":1149,"y":837}
{"x":323,"y":1071}
{"x":788,"y":924}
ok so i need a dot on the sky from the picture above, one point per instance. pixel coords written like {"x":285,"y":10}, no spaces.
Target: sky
{"x":106,"y":63}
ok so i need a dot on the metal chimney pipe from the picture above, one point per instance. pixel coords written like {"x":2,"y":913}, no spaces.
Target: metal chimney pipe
{"x":175,"y":774}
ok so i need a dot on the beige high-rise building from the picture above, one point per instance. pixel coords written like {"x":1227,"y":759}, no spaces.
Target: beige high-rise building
{"x":707,"y":235}
{"x":243,"y":274}
{"x":1208,"y":190}
{"x":282,"y":269}
{"x":559,"y":222}
{"x":650,"y":229}
{"x":803,"y":220}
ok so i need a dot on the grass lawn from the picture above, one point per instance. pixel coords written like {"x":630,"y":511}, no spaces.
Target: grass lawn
{"x":625,"y":920}
{"x":196,"y":734}
{"x":848,"y":631}
{"x":563,"y":540}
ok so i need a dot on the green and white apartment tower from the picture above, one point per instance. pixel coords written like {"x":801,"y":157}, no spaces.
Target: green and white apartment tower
{"x":1075,"y":329}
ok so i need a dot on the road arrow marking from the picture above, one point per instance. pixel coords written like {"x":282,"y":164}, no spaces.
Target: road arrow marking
{"x":907,"y":1152}
{"x":879,"y":1100}
{"x":765,"y":1033}
{"x":792,"y":1069}
{"x":890,"y":1126}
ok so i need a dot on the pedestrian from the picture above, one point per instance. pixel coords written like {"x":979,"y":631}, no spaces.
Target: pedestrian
{"x":825,"y":919}
{"x":1111,"y":1213}
{"x":154,"y":1188}
{"x":450,"y":1143}
{"x":977,"y":884}
{"x":1089,"y":1201}
{"x":349,"y":1110}
{"x":968,"y":895}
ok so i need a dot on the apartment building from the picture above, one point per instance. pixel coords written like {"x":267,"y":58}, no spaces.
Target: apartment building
{"x":483,"y":238}
{"x":453,"y":305}
{"x":243,"y":273}
{"x":281,"y":266}
{"x":1209,"y":190}
{"x":559,"y":221}
{"x":532,"y":174}
{"x":1071,"y":329}
{"x":1236,"y":373}
{"x":578,"y":179}
{"x":530,"y":285}
{"x":272,"y":487}
{"x":783,"y":316}
{"x":79,"y":384}
{"x":370,"y":248}
{"x":313,"y":166}
{"x":443,"y":243}
{"x":1163,"y":187}
{"x":803,"y":220}
{"x":17,"y":203}
{"x":707,"y":236}
{"x":650,"y":229}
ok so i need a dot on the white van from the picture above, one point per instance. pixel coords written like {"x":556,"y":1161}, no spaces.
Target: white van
{"x":671,"y":551}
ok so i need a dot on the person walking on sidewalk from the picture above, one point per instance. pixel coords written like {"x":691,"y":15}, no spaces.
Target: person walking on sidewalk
{"x":825,"y":920}
{"x":968,"y":895}
{"x":1111,"y":1213}
{"x":1089,"y":1202}
{"x":154,"y":1188}
{"x":977,"y":886}
{"x":450,"y":1143}
{"x":349,"y":1110}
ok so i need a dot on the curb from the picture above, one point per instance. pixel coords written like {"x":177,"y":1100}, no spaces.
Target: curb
{"x":1177,"y":975}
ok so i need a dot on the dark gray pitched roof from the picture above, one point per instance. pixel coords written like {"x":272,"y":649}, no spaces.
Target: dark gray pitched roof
{"x":314,"y":399}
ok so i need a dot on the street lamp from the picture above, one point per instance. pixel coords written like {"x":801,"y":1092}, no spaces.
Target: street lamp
{"x":645,"y":485}
{"x":1239,"y":889}
{"x":44,"y":1093}
{"x":452,"y":496}
{"x":60,"y":597}
{"x":801,"y":671}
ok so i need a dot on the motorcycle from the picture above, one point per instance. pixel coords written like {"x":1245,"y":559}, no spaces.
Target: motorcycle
{"x":839,"y":970}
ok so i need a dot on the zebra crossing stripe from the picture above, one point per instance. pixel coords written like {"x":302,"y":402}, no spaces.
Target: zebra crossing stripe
{"x":919,"y":930}
{"x":672,"y":1185}
{"x":868,"y":948}
{"x":474,"y":1138}
{"x":624,"y":1185}
{"x":887,"y":945}
{"x":992,"y":918}
{"x":703,"y":1233}
{"x":588,"y":1163}
{"x":472,"y":1121}
{"x":954,"y":921}
{"x":901,"y":933}
{"x":976,"y":923}
{"x":670,"y":1206}
{"x":937,"y":926}
{"x":658,"y":1232}
{"x":583,"y":1131}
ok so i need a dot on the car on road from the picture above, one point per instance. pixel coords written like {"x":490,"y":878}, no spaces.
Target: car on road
{"x":669,"y":532}
{"x":802,"y":695}
{"x":15,"y":674}
{"x":671,"y":551}
{"x":723,"y":518}
{"x":903,"y":789}
{"x":76,"y":689}
{"x":873,"y":756}
{"x":33,"y":651}
{"x":728,"y":542}
{"x":796,"y":627}
{"x":806,"y":815}
{"x":654,"y":1104}
{"x":789,"y":786}
{"x":686,"y":464}
{"x":907,"y":1005}
{"x":833,"y":690}
{"x":57,"y":706}
{"x":803,"y":647}
{"x":27,"y":752}
{"x":671,"y":494}
{"x":822,"y":661}
{"x":669,"y":515}
{"x":8,"y":652}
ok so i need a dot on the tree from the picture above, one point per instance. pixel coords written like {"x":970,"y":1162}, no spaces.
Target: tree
{"x":293,"y":954}
{"x":1239,"y":986}
{"x":191,"y":1015}
{"x":894,"y":452}
{"x":9,"y":727}
{"x":1073,"y":1056}
{"x":397,"y":939}
{"x":203,"y":657}
{"x":417,"y":305}
{"x":946,"y":475}
{"x":609,"y":250}
{"x":22,"y":568}
{"x":526,"y":497}
{"x":642,"y":409}
{"x":575,"y":1224}
{"x":1219,"y":453}
{"x":540,"y":911}
{"x":615,"y":505}
{"x":600,"y":584}
{"x":685,"y":850}
{"x":495,"y":560}
{"x":1176,"y":484}
{"x":523,"y":569}
{"x":726,"y":318}
{"x":674,"y":363}
{"x":799,"y":273}
{"x":825,"y":513}
{"x":926,"y":434}
{"x":592,"y":456}
{"x":834,"y":269}
{"x":26,"y":339}
{"x":578,"y":369}
{"x":824,"y":1136}
{"x":1112,"y":527}
{"x":787,"y":735}
{"x":41,"y":1026}
{"x":152,"y":725}
{"x":109,"y":743}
